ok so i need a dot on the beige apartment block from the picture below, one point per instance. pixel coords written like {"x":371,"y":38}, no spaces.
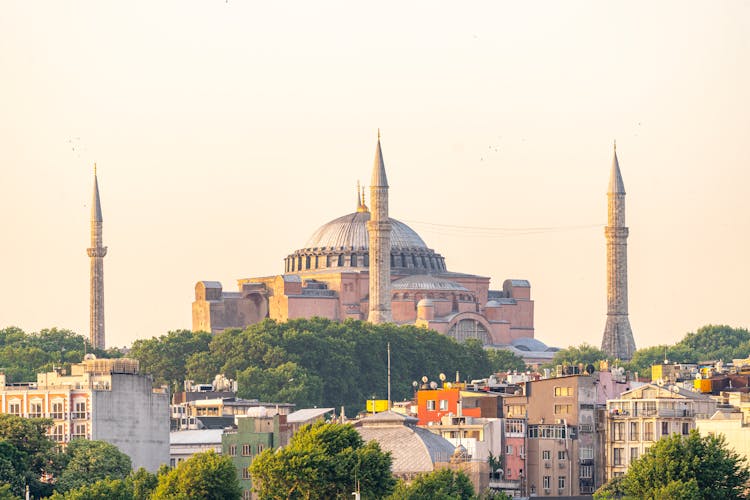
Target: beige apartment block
{"x":101,"y":399}
{"x":640,"y":417}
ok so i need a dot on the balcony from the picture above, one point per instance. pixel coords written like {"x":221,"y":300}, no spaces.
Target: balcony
{"x":57,"y":415}
{"x":80,"y":415}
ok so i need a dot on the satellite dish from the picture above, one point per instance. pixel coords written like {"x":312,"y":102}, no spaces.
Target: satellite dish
{"x":415,"y":384}
{"x":433,"y":385}
{"x":442,"y":377}
{"x":660,"y":382}
{"x":675,"y":389}
{"x":424,"y":379}
{"x":698,"y":376}
{"x":449,"y":385}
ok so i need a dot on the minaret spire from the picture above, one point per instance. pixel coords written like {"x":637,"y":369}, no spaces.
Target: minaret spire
{"x":96,"y":256}
{"x":379,"y":229}
{"x":618,"y":339}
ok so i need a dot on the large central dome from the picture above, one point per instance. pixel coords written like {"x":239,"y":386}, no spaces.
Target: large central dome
{"x":345,"y":243}
{"x":350,"y":231}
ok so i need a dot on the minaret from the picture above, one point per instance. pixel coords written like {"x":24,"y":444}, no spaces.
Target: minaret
{"x":379,"y":229}
{"x":96,"y":255}
{"x":618,"y":337}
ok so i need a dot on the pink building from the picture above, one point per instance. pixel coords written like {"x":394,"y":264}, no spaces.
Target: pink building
{"x":329,"y":277}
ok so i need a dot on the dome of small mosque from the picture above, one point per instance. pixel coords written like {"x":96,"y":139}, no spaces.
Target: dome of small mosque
{"x":350,"y":231}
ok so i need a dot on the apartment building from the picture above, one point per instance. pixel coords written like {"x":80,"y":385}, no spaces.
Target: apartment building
{"x":645,"y":414}
{"x":101,"y":399}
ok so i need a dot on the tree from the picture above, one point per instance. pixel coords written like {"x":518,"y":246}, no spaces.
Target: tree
{"x":323,"y":461}
{"x":505,"y":361}
{"x":26,"y":453}
{"x":584,"y":353}
{"x":711,"y":342}
{"x":286,"y":382}
{"x":103,"y":489}
{"x":143,"y":483}
{"x":692,"y":466}
{"x":165,"y":357}
{"x":204,"y":476}
{"x":442,"y":484}
{"x":91,"y":461}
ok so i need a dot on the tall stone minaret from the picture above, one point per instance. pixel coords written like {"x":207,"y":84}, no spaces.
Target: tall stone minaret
{"x":618,"y":337}
{"x":379,"y":229}
{"x":96,"y":255}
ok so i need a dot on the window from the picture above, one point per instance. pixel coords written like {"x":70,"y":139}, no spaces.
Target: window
{"x":509,"y":449}
{"x":546,"y":455}
{"x":232,"y":450}
{"x":645,"y":450}
{"x":172,"y":463}
{"x":443,"y":404}
{"x":617,"y":456}
{"x":58,"y":411}
{"x":648,"y":431}
{"x":35,"y":409}
{"x":246,"y":473}
{"x":561,"y":455}
{"x":561,"y":482}
{"x":430,"y":405}
{"x":14,"y":407}
{"x":586,"y":453}
{"x":260,"y":448}
{"x":563,"y":391}
{"x":563,"y":409}
{"x":634,"y":431}
{"x":685,"y":428}
{"x":79,"y":431}
{"x":618,"y":431}
{"x":58,"y":433}
{"x":546,"y":481}
{"x":664,"y":428}
{"x":247,"y":494}
{"x":633,"y":455}
{"x":586,"y":471}
{"x":246,"y":450}
{"x":79,"y":409}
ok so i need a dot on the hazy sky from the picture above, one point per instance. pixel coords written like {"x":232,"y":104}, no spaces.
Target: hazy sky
{"x":225,"y":133}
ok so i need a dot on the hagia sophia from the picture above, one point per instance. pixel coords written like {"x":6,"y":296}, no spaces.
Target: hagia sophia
{"x":366,"y":265}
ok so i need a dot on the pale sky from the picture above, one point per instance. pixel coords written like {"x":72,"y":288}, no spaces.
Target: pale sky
{"x":225,"y":133}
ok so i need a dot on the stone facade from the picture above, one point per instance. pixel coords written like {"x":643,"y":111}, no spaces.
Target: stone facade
{"x":618,"y":339}
{"x":96,"y":255}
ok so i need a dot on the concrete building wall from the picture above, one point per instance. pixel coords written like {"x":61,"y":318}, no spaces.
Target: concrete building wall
{"x":134,"y":418}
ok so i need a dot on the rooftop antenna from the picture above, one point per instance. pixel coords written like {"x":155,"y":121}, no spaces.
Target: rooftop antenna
{"x":389,"y":376}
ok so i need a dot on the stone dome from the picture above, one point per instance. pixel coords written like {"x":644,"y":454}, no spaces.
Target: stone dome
{"x":350,"y":231}
{"x":345,"y":243}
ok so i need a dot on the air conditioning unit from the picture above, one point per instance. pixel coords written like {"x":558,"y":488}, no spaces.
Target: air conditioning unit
{"x":523,"y":456}
{"x":558,"y":421}
{"x":547,"y":465}
{"x":561,"y":465}
{"x":547,"y":491}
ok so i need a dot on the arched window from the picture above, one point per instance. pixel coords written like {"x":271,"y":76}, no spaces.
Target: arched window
{"x":469,"y":329}
{"x":354,"y":260}
{"x":307,"y":262}
{"x":341,"y":260}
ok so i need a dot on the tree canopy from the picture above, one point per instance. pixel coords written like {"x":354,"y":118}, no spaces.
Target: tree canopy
{"x":26,"y":454}
{"x":442,"y":484}
{"x":683,"y":467}
{"x":23,"y":355}
{"x":584,"y":353}
{"x":204,"y":476}
{"x":323,"y":461}
{"x":316,"y":361}
{"x":87,"y":462}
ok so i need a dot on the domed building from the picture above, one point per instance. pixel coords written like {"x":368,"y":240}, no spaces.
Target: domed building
{"x":331,"y":275}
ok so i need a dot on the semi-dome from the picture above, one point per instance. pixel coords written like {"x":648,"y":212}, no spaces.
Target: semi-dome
{"x":426,"y":282}
{"x":350,"y":231}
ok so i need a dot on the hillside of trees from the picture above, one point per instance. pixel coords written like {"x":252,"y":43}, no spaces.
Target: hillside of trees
{"x":318,"y":362}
